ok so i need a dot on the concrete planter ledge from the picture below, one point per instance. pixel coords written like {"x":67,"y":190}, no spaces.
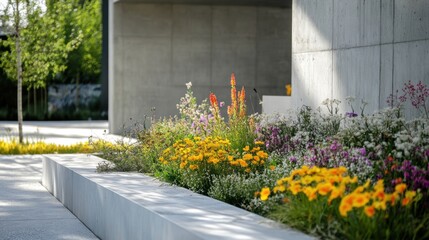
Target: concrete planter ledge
{"x":135,"y":206}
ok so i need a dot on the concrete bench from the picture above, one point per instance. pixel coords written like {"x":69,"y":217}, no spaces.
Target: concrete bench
{"x":136,"y":206}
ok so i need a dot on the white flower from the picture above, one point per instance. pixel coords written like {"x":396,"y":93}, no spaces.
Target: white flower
{"x":188,"y":85}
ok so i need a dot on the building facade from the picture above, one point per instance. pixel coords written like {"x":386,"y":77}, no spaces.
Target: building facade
{"x":326,"y":49}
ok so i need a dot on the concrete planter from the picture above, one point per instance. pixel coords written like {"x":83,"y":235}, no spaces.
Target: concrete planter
{"x":277,"y":104}
{"x":135,"y":206}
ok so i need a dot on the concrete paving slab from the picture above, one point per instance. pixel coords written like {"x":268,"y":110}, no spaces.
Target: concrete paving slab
{"x":59,"y":132}
{"x":27,"y":209}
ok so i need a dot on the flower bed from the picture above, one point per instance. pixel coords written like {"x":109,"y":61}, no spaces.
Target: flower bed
{"x":329,"y":174}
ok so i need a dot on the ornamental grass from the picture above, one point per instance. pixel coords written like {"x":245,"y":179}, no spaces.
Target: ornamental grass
{"x":14,"y":148}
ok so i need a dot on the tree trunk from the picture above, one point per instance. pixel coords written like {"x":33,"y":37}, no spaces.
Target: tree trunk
{"x":28,"y":100}
{"x":18,"y":70}
{"x":76,"y":103}
{"x":35,"y":102}
{"x":45,"y":101}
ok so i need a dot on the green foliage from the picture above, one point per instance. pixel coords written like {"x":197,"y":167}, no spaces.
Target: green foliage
{"x":43,"y":51}
{"x":85,"y":59}
{"x":239,"y":189}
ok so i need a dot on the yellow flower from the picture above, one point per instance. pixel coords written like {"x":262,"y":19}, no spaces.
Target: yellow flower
{"x":214,"y":160}
{"x":359,"y":189}
{"x":166,"y":151}
{"x":314,"y":170}
{"x":369,"y":211}
{"x":295,"y":188}
{"x":379,"y":205}
{"x":311,"y":193}
{"x":360,"y":200}
{"x":255,"y":149}
{"x":247,"y":157}
{"x":379,"y":185}
{"x":265,"y":192}
{"x":234,"y":163}
{"x":183,"y":164}
{"x":345,"y":208}
{"x":272,"y":167}
{"x":410,"y":194}
{"x":242,"y":163}
{"x":335,"y":193}
{"x":259,"y":143}
{"x":324,"y":188}
{"x":380,"y":195}
{"x":335,"y":171}
{"x":306,"y":180}
{"x":246,"y":149}
{"x":193,"y":166}
{"x":262,"y":154}
{"x":400,"y":188}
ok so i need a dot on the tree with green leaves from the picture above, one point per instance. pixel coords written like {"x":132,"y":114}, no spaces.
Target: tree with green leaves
{"x":38,"y":44}
{"x":85,"y":60}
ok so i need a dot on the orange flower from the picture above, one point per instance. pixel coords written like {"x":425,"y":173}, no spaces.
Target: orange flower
{"x":380,"y":195}
{"x":400,"y":188}
{"x":265,"y":192}
{"x":233,"y":80}
{"x":324,"y":188}
{"x":213,"y":100}
{"x":360,"y":200}
{"x":288,"y":89}
{"x":409,"y":195}
{"x":335,"y":193}
{"x":405,"y":201}
{"x":311,"y":193}
{"x":295,"y":189}
{"x":193,"y":167}
{"x":345,"y":208}
{"x":215,"y":105}
{"x":369,"y":211}
{"x":232,"y":110}
{"x":242,"y":102}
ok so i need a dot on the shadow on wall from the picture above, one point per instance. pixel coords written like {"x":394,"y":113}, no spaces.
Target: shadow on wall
{"x":365,"y":49}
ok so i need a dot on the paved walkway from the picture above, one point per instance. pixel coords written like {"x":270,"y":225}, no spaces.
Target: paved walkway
{"x":27,"y":209}
{"x":63,"y":132}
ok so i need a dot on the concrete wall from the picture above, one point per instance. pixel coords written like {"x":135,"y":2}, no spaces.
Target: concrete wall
{"x":157,"y":48}
{"x":361,"y":48}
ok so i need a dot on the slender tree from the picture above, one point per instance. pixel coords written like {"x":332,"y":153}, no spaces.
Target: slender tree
{"x":38,"y":44}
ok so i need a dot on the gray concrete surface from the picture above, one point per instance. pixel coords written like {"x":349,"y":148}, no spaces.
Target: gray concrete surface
{"x":135,"y":206}
{"x":366,"y":49}
{"x":155,"y":49}
{"x":28,"y":210}
{"x":59,"y":132}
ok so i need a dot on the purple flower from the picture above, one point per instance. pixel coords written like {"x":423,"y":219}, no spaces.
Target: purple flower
{"x":351,"y":114}
{"x":362,"y":151}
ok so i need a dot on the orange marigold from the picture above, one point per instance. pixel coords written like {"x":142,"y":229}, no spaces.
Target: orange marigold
{"x":369,"y":211}
{"x":265,"y":193}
